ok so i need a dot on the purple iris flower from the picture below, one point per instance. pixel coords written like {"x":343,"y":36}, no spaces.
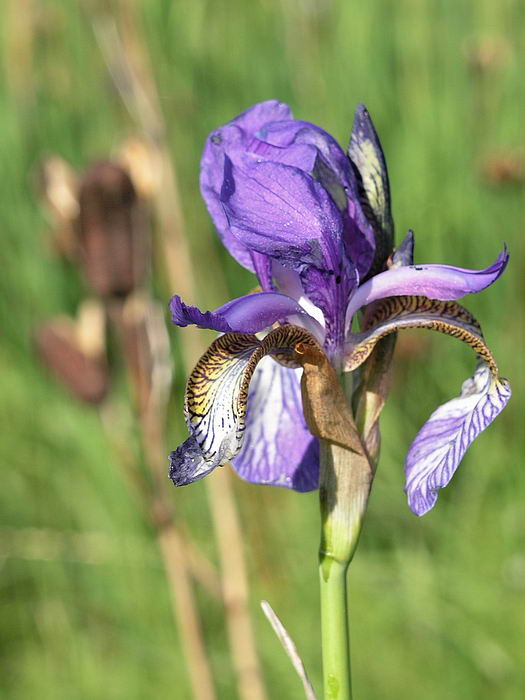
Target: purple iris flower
{"x":315,"y":225}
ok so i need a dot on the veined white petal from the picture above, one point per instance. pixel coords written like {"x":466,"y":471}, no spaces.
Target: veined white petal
{"x":217,"y":395}
{"x":441,"y":443}
{"x":278,"y":448}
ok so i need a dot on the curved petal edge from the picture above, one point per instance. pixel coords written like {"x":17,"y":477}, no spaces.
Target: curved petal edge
{"x":443,"y":282}
{"x":248,"y":314}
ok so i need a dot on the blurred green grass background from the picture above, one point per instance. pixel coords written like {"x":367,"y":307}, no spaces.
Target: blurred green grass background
{"x":436,"y":603}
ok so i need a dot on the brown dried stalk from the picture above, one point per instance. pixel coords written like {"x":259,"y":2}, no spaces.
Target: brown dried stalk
{"x":114,"y":257}
{"x":128,"y":65}
{"x":145,"y":347}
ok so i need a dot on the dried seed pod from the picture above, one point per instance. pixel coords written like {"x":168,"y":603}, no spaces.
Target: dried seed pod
{"x":74,"y":352}
{"x":112,"y":230}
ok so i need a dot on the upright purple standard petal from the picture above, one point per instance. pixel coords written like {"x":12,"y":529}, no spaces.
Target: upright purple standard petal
{"x":327,"y":164}
{"x":267,"y":134}
{"x":281,"y":212}
{"x":254,"y":118}
{"x":211,"y":178}
{"x":278,"y":448}
{"x":441,"y":443}
{"x":294,"y":132}
{"x":434,"y":281}
{"x":232,"y":139}
{"x":249,"y":314}
{"x":323,"y":158}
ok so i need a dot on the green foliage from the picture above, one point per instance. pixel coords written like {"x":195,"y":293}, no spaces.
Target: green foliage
{"x":436,"y":603}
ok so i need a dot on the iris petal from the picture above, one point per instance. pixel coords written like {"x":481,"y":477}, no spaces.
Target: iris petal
{"x":282,"y":212}
{"x":434,"y":281}
{"x":232,"y":139}
{"x":216,"y":399}
{"x":278,"y":448}
{"x":255,"y":117}
{"x":397,"y":313}
{"x":211,"y":178}
{"x":331,"y":168}
{"x":368,"y":159}
{"x":248,"y":314}
{"x":441,"y":443}
{"x":295,"y":132}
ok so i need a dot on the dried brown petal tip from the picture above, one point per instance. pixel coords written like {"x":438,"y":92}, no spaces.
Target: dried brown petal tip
{"x":326,"y":410}
{"x":56,"y":183}
{"x":143,"y":162}
{"x":58,"y":188}
{"x":112,"y":231}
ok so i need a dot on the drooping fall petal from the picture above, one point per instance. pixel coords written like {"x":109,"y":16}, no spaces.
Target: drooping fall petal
{"x":397,"y":313}
{"x":217,"y":397}
{"x":278,"y":448}
{"x":441,"y":443}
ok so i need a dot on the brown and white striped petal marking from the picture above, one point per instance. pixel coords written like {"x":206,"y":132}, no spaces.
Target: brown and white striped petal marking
{"x":217,"y":396}
{"x":440,"y":445}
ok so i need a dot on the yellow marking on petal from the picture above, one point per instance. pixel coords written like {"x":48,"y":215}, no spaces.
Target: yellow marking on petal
{"x":217,"y":391}
{"x":372,"y":179}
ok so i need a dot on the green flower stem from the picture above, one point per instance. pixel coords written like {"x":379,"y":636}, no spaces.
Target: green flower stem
{"x":344,"y":489}
{"x":335,"y":636}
